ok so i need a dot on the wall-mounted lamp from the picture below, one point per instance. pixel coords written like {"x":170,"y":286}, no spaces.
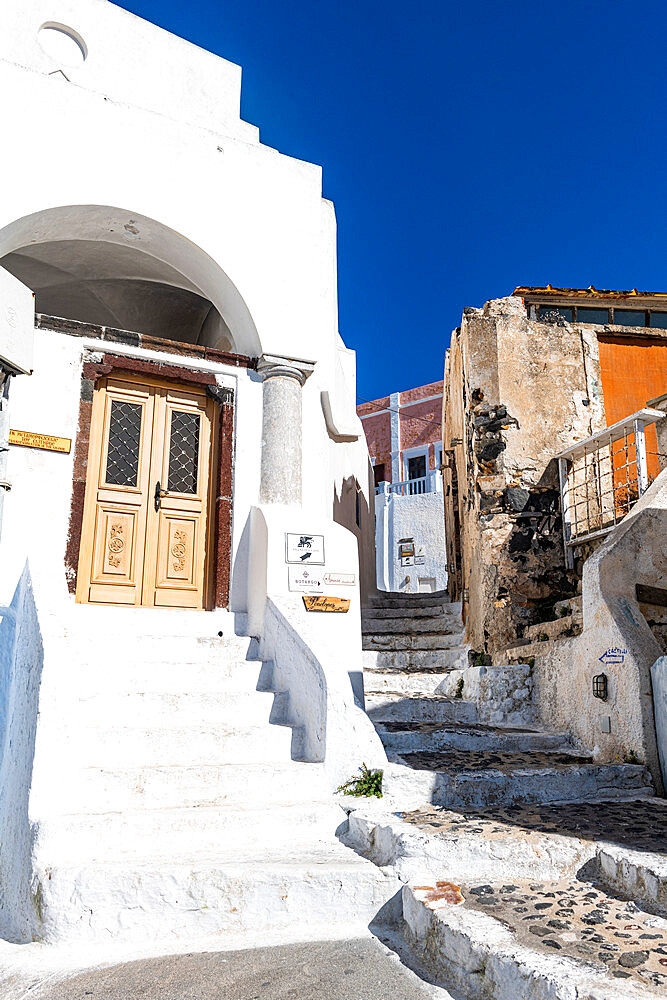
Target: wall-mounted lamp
{"x":600,"y":687}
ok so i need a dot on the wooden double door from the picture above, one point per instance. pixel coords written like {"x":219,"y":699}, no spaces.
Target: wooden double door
{"x":148,"y":495}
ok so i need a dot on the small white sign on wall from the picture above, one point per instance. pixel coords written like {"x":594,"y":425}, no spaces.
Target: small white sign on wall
{"x":304,"y":549}
{"x":305,"y":579}
{"x":340,"y":579}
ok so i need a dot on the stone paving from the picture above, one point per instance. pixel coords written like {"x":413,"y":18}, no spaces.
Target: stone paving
{"x":455,"y":761}
{"x":577,"y":920}
{"x":641,"y":826}
{"x":357,"y":969}
{"x":435,"y":727}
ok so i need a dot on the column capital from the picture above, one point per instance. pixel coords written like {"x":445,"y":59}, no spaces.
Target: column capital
{"x":271,"y":366}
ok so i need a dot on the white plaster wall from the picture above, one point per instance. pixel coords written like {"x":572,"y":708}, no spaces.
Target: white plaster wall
{"x":255,"y":212}
{"x":659,"y":682}
{"x":422,"y":518}
{"x":242,"y":222}
{"x":21,"y":659}
{"x":130,"y":59}
{"x":145,"y":142}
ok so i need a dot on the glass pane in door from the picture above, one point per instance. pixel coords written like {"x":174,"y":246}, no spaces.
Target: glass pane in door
{"x":183,"y":452}
{"x":124,"y":441}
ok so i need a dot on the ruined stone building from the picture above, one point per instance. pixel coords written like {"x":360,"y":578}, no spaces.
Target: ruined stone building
{"x":404,"y":436}
{"x":542,"y":461}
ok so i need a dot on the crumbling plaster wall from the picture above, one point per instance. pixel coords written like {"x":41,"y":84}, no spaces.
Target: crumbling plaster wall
{"x":633,"y":553}
{"x":519,"y":391}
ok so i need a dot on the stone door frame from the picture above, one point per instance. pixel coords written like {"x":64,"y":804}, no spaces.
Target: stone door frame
{"x":223,"y":462}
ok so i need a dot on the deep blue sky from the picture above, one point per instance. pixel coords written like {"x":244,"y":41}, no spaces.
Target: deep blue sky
{"x":468,"y":147}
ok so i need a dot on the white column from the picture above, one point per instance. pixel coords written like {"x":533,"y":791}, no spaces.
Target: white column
{"x":395,"y":426}
{"x":280,"y":477}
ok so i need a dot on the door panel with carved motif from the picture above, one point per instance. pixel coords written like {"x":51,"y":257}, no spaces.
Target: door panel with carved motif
{"x":147,"y":496}
{"x":177,"y":518}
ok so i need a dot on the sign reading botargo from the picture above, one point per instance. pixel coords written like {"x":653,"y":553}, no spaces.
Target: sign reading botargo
{"x":303,"y":548}
{"x":306,"y":579}
{"x":46,"y":442}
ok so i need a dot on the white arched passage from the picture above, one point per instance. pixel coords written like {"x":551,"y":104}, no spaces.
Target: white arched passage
{"x":114,"y":267}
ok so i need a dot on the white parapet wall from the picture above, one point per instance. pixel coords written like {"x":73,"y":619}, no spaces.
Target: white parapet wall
{"x":419,"y":517}
{"x":317,"y":656}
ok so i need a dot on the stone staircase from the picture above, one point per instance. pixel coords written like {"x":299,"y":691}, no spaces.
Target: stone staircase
{"x":443,"y":749}
{"x":540,"y":638}
{"x":528,"y":869}
{"x":172,"y":801}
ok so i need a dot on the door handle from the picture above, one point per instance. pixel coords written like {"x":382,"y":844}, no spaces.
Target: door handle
{"x":159,"y":493}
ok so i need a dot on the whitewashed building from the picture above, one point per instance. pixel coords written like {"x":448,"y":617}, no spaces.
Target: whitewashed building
{"x":183,"y":439}
{"x":404,"y":435}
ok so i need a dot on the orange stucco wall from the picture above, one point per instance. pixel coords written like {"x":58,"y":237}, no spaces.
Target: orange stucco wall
{"x":634,"y":370}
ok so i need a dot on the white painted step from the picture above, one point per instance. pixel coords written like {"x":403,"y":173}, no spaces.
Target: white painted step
{"x":473,"y":737}
{"x":97,"y":790}
{"x":473,"y":952}
{"x":638,"y":875}
{"x":116,"y":746}
{"x":479,"y":789}
{"x":153,"y":649}
{"x":181,"y":677}
{"x":414,"y":659}
{"x":414,"y":626}
{"x":165,"y":710}
{"x":303,"y":889}
{"x":411,"y":641}
{"x":173,"y":833}
{"x":389,"y":706}
{"x":78,"y":619}
{"x":389,"y":598}
{"x":411,"y":684}
{"x":449,"y":611}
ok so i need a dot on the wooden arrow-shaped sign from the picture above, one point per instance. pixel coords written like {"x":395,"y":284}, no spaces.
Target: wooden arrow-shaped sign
{"x":316,"y":602}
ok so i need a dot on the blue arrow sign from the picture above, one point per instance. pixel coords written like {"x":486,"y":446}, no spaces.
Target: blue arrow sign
{"x":613,"y":655}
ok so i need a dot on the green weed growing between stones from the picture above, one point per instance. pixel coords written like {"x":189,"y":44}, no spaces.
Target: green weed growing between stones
{"x":459,"y":688}
{"x":370,"y":783}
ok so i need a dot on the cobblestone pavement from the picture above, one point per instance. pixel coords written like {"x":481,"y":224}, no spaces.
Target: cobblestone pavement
{"x":577,"y":920}
{"x":455,"y":761}
{"x":640,"y":825}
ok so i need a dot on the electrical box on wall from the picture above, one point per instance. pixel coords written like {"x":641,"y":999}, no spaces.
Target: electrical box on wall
{"x":17,"y":324}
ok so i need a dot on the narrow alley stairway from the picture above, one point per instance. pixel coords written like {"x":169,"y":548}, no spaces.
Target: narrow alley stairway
{"x":529,"y":869}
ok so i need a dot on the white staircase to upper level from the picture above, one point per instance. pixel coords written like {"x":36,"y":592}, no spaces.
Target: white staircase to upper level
{"x":167,"y":800}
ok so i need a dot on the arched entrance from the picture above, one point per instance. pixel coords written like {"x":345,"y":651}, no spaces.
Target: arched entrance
{"x":112,"y":267}
{"x":150,"y":519}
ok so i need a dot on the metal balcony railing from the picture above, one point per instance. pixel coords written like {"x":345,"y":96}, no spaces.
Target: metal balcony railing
{"x":411,"y":487}
{"x":602,"y":477}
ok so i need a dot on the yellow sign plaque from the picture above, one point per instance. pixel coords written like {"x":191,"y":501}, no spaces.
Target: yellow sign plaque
{"x":318,"y":603}
{"x":30,"y":439}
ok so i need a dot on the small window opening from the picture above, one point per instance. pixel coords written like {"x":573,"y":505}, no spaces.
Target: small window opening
{"x":585,"y":315}
{"x":379,"y":473}
{"x":552,"y":314}
{"x":417,"y":467}
{"x":629,"y":317}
